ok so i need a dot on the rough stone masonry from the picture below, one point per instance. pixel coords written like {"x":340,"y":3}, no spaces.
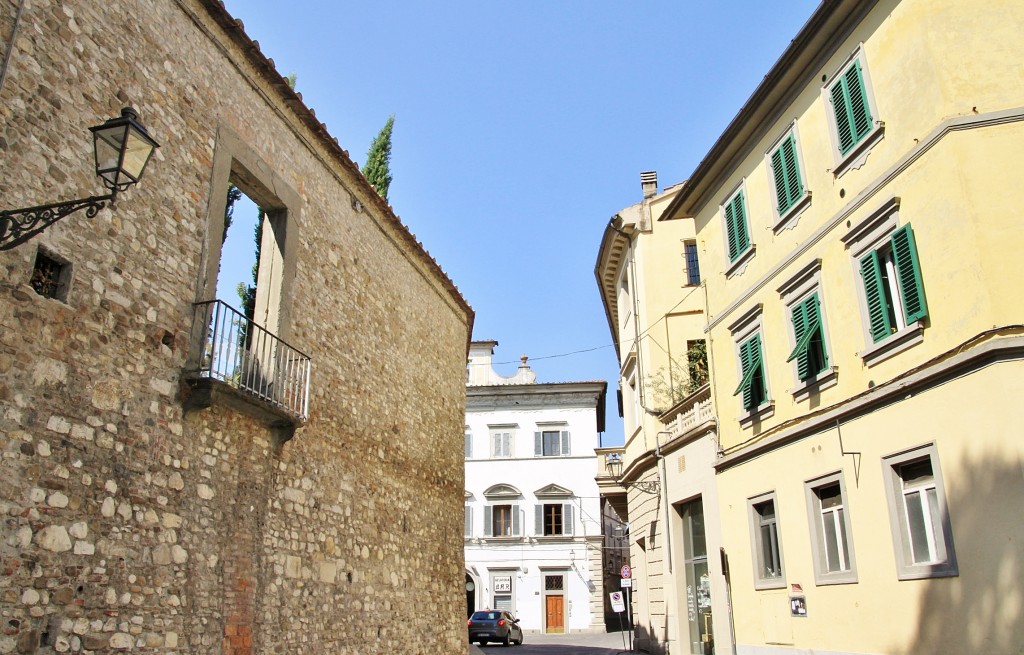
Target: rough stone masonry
{"x":148,"y":509}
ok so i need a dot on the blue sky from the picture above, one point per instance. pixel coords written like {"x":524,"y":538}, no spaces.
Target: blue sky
{"x":520,"y":129}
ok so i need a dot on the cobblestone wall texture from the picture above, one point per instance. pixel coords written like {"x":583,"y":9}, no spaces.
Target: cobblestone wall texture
{"x":131,"y":524}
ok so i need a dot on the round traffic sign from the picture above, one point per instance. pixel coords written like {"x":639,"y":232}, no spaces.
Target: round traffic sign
{"x":626,"y":571}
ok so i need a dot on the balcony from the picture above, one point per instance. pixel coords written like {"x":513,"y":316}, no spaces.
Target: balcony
{"x":244,"y":366}
{"x":695,"y":411}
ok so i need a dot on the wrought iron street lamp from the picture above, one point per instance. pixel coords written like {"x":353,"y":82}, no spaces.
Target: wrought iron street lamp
{"x":122,"y":149}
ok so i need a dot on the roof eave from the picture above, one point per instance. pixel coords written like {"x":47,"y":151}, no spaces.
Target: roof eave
{"x":831,"y":21}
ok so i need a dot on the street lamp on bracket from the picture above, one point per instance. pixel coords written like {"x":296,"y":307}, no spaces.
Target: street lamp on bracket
{"x":122,"y":148}
{"x":613,"y":462}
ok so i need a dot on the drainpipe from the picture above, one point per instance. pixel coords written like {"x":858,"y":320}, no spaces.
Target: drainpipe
{"x":664,"y":495}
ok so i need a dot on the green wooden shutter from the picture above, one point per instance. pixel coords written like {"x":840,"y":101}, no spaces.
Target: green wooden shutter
{"x":908,"y":274}
{"x":806,"y":329}
{"x":841,"y":110}
{"x":742,"y":234}
{"x":794,"y":186}
{"x":851,"y":109}
{"x":786,"y":169}
{"x":861,"y":112}
{"x":751,"y":368}
{"x":779,"y":173}
{"x":874,"y":294}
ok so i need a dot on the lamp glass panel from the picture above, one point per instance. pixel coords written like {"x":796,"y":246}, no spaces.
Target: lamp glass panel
{"x":108,"y":153}
{"x":136,"y":155}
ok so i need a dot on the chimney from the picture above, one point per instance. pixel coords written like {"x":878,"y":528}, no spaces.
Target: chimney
{"x":649,"y":183}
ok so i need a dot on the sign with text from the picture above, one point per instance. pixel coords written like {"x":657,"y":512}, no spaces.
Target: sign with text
{"x":618,"y":605}
{"x":626,"y":583}
{"x":502,"y":584}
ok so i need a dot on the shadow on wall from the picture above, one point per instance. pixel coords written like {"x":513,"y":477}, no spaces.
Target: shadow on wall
{"x":982,"y":610}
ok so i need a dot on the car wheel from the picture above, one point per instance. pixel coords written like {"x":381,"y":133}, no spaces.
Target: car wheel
{"x":504,"y":642}
{"x":482,"y":643}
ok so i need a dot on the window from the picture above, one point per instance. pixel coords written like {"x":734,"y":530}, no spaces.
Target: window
{"x":469,"y":444}
{"x":737,"y":232}
{"x":850,"y":107}
{"x":551,"y":443}
{"x":501,"y":520}
{"x":854,"y":127}
{"x":918,"y":514}
{"x":50,"y":276}
{"x":753,"y":382}
{"x":809,"y":334}
{"x":501,"y":443}
{"x":893,"y":289}
{"x":830,"y":530}
{"x":767,"y":547}
{"x":789,"y":188}
{"x":692,"y":263}
{"x":553,"y":519}
{"x":752,"y":374}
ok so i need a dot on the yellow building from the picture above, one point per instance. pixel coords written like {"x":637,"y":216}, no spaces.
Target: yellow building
{"x":649,"y":277}
{"x":860,"y":230}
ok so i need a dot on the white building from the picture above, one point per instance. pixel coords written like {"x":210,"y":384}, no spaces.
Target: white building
{"x":533,"y":514}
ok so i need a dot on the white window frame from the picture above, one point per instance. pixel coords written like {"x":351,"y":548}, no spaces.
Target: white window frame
{"x":502,"y":439}
{"x":859,"y":153}
{"x":564,"y":439}
{"x":944,"y":563}
{"x":791,"y":216}
{"x":761,"y":580}
{"x":816,"y":518}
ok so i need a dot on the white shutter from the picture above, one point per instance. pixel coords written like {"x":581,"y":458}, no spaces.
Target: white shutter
{"x":488,"y":520}
{"x":538,"y":528}
{"x":469,"y":521}
{"x":565,"y":442}
{"x":469,"y":444}
{"x":516,"y":522}
{"x":538,"y":444}
{"x":567,"y":519}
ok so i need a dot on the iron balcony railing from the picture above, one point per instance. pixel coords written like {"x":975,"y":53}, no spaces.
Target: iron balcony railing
{"x":246,"y":356}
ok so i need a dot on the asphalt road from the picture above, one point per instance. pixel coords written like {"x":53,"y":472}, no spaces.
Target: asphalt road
{"x":571,"y":644}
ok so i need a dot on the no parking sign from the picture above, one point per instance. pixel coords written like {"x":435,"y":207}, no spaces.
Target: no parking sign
{"x":618,"y":605}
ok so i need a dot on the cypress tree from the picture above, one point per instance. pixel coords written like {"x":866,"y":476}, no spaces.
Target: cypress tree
{"x":378,"y":160}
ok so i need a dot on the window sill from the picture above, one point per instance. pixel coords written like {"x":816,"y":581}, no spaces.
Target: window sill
{"x":823,"y":380}
{"x":763,"y":584}
{"x":500,"y":540}
{"x":738,"y":266}
{"x":826,"y":579}
{"x":550,"y":538}
{"x":893,"y":344}
{"x":859,"y":154}
{"x":926,"y":571}
{"x":766,"y":410}
{"x":791,"y":216}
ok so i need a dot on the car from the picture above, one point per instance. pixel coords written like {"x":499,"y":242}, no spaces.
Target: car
{"x":494,"y":625}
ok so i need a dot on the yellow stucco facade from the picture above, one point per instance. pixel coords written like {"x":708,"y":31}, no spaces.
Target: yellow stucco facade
{"x":871,"y":475}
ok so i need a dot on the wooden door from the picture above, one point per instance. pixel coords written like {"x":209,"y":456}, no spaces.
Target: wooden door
{"x":555,"y":611}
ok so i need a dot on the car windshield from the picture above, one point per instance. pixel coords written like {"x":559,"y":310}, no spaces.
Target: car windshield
{"x":486,"y":616}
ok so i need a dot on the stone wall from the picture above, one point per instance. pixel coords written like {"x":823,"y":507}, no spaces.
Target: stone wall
{"x":132,"y":524}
